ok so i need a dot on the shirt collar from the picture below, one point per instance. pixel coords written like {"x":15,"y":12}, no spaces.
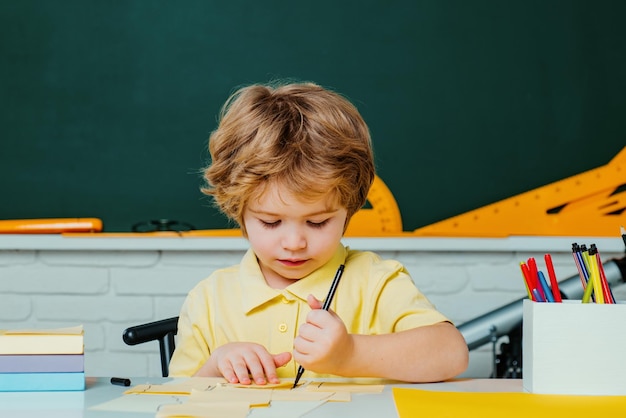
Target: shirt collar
{"x":256,"y":292}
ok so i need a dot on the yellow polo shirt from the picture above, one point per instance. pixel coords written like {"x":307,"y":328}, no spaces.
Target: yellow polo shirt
{"x":374,"y":296}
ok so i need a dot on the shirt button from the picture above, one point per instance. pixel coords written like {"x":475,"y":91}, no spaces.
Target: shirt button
{"x":285,"y":300}
{"x":282,"y":327}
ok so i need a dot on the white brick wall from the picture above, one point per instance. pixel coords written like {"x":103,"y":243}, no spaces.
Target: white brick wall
{"x":108,"y":286}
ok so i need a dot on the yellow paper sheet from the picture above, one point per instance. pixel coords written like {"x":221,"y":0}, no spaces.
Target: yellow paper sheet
{"x":138,"y":403}
{"x":344,"y":387}
{"x":284,"y":384}
{"x":195,"y":382}
{"x":306,"y":395}
{"x":262,"y":398}
{"x":205,"y":410}
{"x":286,"y":409}
{"x":416,"y":402}
{"x":255,"y":398}
{"x":177,"y":386}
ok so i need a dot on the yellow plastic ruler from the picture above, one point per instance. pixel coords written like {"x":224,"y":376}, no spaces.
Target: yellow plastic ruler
{"x":592,"y":203}
{"x":383,"y":218}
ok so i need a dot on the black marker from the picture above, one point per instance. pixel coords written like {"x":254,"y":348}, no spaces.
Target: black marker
{"x":329,"y":298}
{"x":120,"y":381}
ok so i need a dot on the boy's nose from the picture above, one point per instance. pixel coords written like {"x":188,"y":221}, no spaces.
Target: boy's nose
{"x":294,"y":240}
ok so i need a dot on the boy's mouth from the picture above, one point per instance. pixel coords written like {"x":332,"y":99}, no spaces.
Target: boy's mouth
{"x":292,"y":263}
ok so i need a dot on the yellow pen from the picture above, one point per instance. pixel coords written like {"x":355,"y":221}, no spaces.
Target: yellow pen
{"x":586,"y":265}
{"x":594,"y":277}
{"x":587,"y":292}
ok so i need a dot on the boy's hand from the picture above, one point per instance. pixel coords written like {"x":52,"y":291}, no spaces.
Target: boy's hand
{"x":323,"y":343}
{"x":239,"y":361}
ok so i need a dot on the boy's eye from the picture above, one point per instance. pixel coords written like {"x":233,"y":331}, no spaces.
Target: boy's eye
{"x":274,"y":224}
{"x":318,"y":224}
{"x":270,"y":225}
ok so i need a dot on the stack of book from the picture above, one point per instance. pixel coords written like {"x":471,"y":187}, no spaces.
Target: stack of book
{"x":42,"y":360}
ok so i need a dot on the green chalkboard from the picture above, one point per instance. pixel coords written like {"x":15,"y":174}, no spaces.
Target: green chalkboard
{"x":106,"y":106}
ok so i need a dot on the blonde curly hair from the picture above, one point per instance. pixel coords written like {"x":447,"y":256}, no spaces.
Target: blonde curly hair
{"x":302,"y":136}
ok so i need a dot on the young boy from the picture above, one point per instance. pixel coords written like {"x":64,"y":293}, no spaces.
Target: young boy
{"x":291,"y":164}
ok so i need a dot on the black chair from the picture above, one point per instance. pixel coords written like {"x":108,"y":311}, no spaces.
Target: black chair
{"x":162,"y":331}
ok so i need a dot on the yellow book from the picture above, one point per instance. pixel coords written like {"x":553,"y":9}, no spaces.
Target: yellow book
{"x":42,"y":341}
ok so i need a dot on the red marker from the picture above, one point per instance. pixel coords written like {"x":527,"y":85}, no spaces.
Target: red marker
{"x":556,"y":293}
{"x":534,"y":274}
{"x":527,"y":281}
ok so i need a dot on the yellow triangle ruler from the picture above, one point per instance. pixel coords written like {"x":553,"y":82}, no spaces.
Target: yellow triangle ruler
{"x":592,"y":203}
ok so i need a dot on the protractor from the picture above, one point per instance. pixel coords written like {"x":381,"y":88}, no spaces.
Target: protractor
{"x":379,"y":216}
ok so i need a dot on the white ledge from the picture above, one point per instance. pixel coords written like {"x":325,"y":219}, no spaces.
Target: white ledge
{"x":56,"y":242}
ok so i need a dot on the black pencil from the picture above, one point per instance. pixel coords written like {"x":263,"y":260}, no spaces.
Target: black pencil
{"x":325,"y":306}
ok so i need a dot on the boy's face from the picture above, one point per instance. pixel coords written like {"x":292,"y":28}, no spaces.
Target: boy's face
{"x":291,"y":237}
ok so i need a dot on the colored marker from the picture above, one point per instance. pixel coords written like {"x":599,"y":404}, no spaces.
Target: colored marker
{"x":544,"y":285}
{"x":532,"y":266}
{"x":595,"y":275}
{"x":556,"y":292}
{"x":580,"y":265}
{"x":527,"y":280}
{"x":587,"y":293}
{"x":608,"y":293}
{"x":538,"y":297}
{"x":120,"y":381}
{"x":584,"y":254}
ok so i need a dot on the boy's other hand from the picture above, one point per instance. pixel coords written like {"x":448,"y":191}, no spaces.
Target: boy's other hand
{"x":243,"y":362}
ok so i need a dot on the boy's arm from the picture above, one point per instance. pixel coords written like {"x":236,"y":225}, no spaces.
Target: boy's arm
{"x":426,"y":354}
{"x":429,"y":353}
{"x":191,"y":348}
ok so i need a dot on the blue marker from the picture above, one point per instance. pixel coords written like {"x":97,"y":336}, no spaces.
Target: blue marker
{"x":538,"y":296}
{"x":545,"y":287}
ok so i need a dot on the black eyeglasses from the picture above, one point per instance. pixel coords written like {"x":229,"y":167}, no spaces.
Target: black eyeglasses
{"x":162,"y":225}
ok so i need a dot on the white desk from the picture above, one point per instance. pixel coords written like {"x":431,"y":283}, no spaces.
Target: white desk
{"x":99,"y":390}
